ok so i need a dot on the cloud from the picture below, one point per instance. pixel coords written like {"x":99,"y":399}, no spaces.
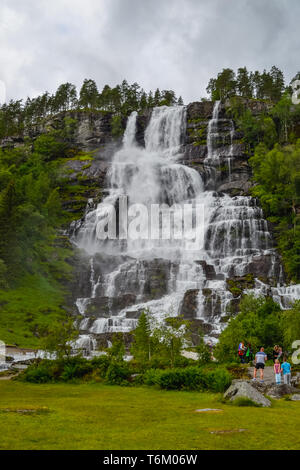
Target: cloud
{"x":170,"y":44}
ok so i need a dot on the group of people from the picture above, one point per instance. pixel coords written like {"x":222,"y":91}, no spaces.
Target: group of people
{"x":260,"y":359}
{"x":245,"y":353}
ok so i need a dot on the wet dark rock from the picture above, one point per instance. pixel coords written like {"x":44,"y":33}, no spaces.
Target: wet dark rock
{"x":190,"y":304}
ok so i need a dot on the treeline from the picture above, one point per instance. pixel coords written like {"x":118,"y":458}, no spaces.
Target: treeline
{"x":20,"y":116}
{"x":264,"y":86}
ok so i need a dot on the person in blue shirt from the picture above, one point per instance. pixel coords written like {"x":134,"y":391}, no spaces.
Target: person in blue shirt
{"x":286,"y":370}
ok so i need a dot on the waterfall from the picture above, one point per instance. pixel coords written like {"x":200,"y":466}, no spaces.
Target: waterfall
{"x":129,"y":275}
{"x":213,"y":134}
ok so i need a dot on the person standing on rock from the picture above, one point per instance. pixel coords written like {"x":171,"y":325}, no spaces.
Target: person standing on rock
{"x":249,"y":353}
{"x":241,"y":352}
{"x":275,"y":353}
{"x":286,"y":370}
{"x":277,"y":371}
{"x":260,"y":359}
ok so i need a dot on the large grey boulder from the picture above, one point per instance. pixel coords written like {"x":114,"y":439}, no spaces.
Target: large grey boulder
{"x":241,"y":388}
{"x":274,"y":391}
{"x":295,"y":397}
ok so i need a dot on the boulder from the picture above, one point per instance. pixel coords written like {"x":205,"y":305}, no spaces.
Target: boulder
{"x":295,"y":397}
{"x":241,"y":388}
{"x":274,"y":391}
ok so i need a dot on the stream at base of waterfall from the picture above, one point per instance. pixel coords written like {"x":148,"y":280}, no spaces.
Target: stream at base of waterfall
{"x":129,"y":275}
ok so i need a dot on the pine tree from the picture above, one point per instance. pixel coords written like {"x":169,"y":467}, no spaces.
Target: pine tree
{"x":141,"y":347}
{"x":88,"y":94}
{"x":243,"y":83}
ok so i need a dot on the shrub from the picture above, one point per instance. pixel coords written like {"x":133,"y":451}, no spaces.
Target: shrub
{"x":61,"y":369}
{"x":172,"y":379}
{"x":117,"y":373}
{"x":100,"y":364}
{"x":218,"y":380}
{"x":75,"y":368}
{"x":151,"y":377}
{"x":38,"y":373}
{"x":189,"y":378}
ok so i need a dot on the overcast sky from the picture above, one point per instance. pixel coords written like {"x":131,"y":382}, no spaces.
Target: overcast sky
{"x":170,"y":44}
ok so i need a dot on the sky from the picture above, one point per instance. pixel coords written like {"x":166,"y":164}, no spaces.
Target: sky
{"x":169,"y":44}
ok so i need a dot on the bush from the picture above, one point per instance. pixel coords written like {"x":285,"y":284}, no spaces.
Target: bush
{"x":38,"y":373}
{"x":151,"y":377}
{"x":61,"y":369}
{"x":172,"y":379}
{"x":117,"y":373}
{"x":75,"y":368}
{"x":189,"y":378}
{"x":100,"y":364}
{"x":219,"y":380}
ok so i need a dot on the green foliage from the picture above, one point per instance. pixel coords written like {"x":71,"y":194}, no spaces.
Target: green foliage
{"x":265,"y":85}
{"x":39,"y":373}
{"x":277,"y":173}
{"x":116,"y":126}
{"x":117,"y":373}
{"x":169,"y":338}
{"x":59,"y":338}
{"x":258,"y":323}
{"x":17,"y":117}
{"x":49,"y":147}
{"x":100,"y":364}
{"x":189,"y":378}
{"x":88,"y":94}
{"x":117,"y":350}
{"x":203,"y":350}
{"x":63,"y":369}
{"x":142,"y":346}
{"x":291,"y":325}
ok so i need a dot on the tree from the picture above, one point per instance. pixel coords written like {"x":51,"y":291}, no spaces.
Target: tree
{"x":117,"y":349}
{"x":65,"y":97}
{"x":157,"y":97}
{"x":277,"y":83}
{"x":291,"y":325}
{"x":168,"y":98}
{"x":59,"y":338}
{"x":203,"y":350}
{"x":281,"y":112}
{"x":142,"y":347}
{"x":88,"y":96}
{"x":244,"y":83}
{"x":226,"y":83}
{"x":170,"y":337}
{"x":257,"y":323}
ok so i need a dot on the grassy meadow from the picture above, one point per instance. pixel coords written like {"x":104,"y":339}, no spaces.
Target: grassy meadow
{"x":97,"y":416}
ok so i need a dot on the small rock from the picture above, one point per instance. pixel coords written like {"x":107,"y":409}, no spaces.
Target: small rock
{"x":209,"y":410}
{"x":227,"y":431}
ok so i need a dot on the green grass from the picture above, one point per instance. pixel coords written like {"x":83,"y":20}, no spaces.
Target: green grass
{"x":36,"y":302}
{"x":97,"y":416}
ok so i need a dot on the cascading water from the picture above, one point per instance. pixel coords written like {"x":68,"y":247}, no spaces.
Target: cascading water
{"x":129,"y":275}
